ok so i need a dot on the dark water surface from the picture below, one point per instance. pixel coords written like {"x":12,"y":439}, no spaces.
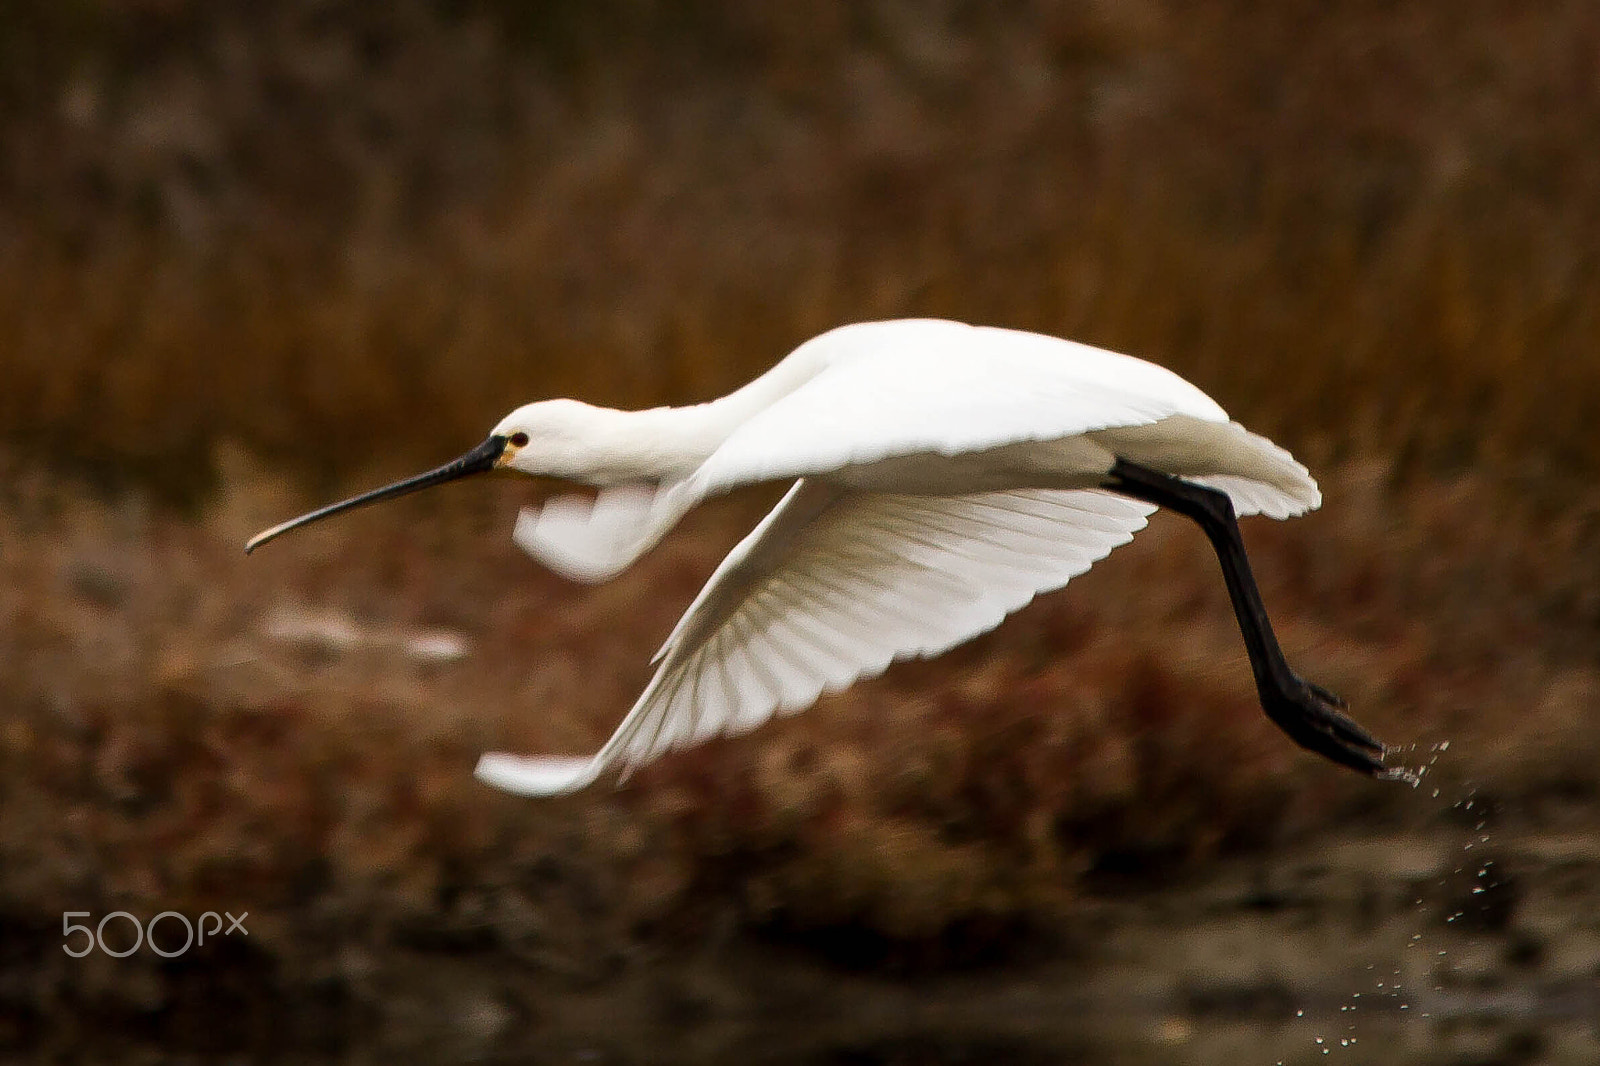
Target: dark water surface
{"x":1452,"y":949}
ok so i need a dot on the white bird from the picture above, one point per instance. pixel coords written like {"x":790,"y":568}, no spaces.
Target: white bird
{"x":943,"y":475}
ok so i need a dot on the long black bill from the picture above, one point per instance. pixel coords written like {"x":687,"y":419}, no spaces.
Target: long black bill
{"x":479,"y":460}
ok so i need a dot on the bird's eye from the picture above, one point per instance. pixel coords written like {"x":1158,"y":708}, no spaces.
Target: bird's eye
{"x":519,"y":439}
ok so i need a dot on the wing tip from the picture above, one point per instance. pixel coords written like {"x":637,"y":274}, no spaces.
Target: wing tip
{"x":524,"y":775}
{"x":554,"y":542}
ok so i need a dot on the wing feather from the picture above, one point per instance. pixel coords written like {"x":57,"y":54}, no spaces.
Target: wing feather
{"x":945,"y":389}
{"x":594,"y":539}
{"x":759,"y":688}
{"x":833,"y":586}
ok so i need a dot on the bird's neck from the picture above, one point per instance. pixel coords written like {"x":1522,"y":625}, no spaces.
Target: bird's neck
{"x":668,"y":443}
{"x":661,"y":444}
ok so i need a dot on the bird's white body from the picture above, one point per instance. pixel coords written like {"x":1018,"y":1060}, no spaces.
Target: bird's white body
{"x":944,"y":475}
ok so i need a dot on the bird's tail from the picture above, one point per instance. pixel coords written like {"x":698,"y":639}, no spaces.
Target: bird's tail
{"x":1258,"y":476}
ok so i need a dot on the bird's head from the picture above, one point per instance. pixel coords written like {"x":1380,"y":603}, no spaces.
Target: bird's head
{"x":544,"y":438}
{"x":552,"y":438}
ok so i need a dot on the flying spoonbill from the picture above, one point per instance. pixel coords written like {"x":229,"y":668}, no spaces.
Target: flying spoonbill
{"x":943,"y":475}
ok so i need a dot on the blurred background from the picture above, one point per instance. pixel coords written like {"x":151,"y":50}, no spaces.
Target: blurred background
{"x":254,"y":256}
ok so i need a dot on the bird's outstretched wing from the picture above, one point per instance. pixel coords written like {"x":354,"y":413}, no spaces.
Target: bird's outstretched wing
{"x":944,"y":389}
{"x":596,"y":538}
{"x":832,"y":586}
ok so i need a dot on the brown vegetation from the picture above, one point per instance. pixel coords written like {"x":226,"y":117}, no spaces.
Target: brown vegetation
{"x":338,"y":239}
{"x":253,"y":253}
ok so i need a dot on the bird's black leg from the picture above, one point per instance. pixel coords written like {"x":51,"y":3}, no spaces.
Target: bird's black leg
{"x":1312,"y":716}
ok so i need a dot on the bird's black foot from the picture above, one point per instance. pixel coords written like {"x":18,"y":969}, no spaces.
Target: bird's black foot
{"x":1314,"y":718}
